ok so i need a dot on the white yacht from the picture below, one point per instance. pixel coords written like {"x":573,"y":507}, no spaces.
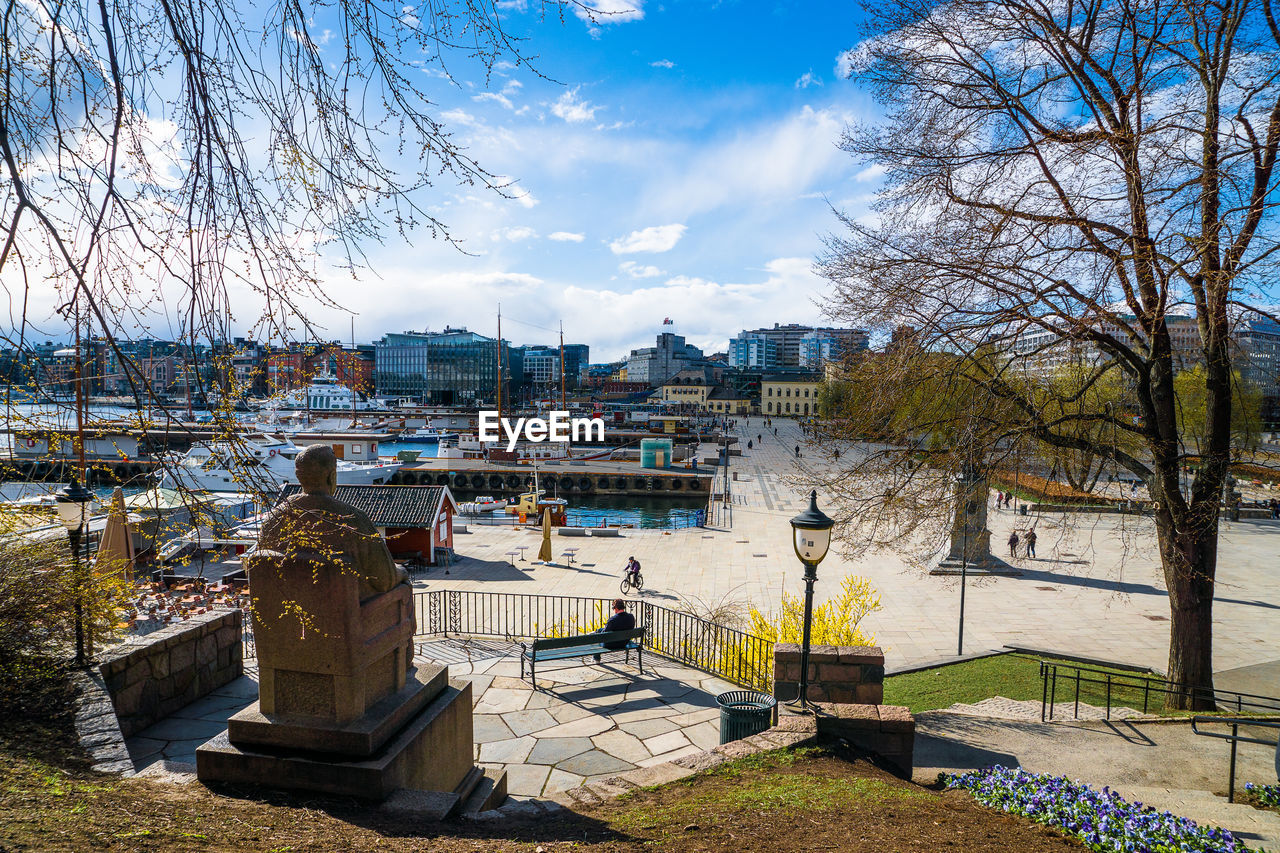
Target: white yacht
{"x":257,"y":461}
{"x":427,"y":434}
{"x":325,"y":393}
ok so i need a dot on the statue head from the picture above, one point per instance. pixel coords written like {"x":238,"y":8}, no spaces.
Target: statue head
{"x":317,"y":469}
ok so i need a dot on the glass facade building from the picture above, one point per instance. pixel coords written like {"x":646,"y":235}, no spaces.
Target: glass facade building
{"x":440,"y":368}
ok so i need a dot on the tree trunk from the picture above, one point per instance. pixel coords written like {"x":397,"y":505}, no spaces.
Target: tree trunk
{"x":1189,"y":552}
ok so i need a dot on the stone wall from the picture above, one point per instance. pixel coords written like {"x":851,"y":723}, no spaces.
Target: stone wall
{"x":843,"y":674}
{"x":888,"y":731}
{"x":151,"y":677}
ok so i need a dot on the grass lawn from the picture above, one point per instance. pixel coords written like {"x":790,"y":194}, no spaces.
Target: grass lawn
{"x":801,"y":802}
{"x":1013,"y":676}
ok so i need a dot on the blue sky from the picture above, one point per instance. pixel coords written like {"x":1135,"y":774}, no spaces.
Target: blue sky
{"x":678,"y":164}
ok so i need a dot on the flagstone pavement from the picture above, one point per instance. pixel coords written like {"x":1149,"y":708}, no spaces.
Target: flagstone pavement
{"x":582,"y":723}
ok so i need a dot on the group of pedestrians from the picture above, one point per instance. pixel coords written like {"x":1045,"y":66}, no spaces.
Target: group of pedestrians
{"x":1029,"y":542}
{"x":1004,"y":499}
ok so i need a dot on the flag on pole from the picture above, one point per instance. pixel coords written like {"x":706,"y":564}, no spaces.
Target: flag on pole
{"x":667,"y":321}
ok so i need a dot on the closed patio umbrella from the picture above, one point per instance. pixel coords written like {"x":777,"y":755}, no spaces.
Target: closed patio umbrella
{"x":544,"y":553}
{"x":115,"y":552}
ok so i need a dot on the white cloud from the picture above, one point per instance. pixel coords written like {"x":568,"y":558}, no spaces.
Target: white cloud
{"x":655,"y":238}
{"x":845,"y":63}
{"x":663,"y":63}
{"x":515,"y":234}
{"x":573,"y":110}
{"x":808,"y":79}
{"x":635,"y":270}
{"x":523,"y":197}
{"x":408,"y":18}
{"x":566,"y":237}
{"x":778,"y":160}
{"x":494,"y":96}
{"x":458,"y":117}
{"x":870,"y":173}
{"x":609,"y":11}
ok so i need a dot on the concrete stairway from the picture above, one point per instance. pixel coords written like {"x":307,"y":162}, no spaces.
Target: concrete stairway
{"x":1257,"y":828}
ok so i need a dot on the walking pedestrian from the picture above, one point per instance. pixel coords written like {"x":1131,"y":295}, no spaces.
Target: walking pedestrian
{"x":797,"y":451}
{"x":1013,"y":544}
{"x":999,"y":499}
{"x":748,"y":444}
{"x":1031,"y":542}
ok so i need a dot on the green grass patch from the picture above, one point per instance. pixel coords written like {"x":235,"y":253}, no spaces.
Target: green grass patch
{"x":753,"y":784}
{"x":1013,"y":676}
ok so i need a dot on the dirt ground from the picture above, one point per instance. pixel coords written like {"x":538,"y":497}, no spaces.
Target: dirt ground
{"x":813,"y":801}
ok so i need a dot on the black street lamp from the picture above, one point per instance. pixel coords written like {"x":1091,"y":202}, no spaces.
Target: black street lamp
{"x":72,"y":504}
{"x":811,"y":532}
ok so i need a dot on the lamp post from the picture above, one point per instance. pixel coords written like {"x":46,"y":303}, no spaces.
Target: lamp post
{"x":811,"y":535}
{"x":72,"y":504}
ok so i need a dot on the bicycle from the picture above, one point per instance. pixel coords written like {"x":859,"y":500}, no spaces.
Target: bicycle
{"x":631,"y":582}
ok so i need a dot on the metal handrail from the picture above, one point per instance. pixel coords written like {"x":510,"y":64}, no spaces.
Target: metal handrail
{"x":1149,"y":685}
{"x":1236,"y":738}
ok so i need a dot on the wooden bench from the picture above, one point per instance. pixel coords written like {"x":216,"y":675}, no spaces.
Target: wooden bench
{"x":562,"y":648}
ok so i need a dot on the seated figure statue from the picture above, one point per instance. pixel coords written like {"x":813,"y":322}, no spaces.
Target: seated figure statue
{"x":332,"y":613}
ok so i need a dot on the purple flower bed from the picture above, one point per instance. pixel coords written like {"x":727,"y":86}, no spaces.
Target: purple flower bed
{"x":1103,"y":820}
{"x":1268,"y":795}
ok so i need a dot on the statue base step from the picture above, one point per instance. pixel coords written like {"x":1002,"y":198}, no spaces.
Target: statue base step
{"x":992,"y":565}
{"x":359,"y":738}
{"x":432,"y":752}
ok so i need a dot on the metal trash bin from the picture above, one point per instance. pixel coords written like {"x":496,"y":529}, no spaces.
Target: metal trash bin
{"x":744,"y":713}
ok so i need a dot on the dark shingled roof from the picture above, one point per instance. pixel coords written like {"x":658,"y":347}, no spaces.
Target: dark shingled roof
{"x":392,"y":506}
{"x":722,"y":393}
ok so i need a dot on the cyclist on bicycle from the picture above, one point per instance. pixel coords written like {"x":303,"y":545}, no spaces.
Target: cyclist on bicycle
{"x":632,"y":570}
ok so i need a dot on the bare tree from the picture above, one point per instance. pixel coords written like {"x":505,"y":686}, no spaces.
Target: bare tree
{"x":172,"y":170}
{"x":1094,"y":175}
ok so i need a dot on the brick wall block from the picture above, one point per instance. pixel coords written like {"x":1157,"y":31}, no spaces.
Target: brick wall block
{"x":872,"y":655}
{"x":842,"y":693}
{"x":895,"y":718}
{"x":870,"y":694}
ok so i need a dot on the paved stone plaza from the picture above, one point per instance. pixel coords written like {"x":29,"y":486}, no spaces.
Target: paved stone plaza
{"x":583,"y":722}
{"x":1096,"y":588}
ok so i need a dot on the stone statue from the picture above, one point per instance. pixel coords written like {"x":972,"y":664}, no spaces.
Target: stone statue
{"x":341,"y":709}
{"x":316,"y":523}
{"x":332,"y":613}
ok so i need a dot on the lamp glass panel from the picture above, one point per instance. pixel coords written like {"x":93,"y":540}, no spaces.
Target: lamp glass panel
{"x":811,"y":545}
{"x":71,"y":514}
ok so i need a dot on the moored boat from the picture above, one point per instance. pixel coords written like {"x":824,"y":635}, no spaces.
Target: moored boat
{"x":258,"y":461}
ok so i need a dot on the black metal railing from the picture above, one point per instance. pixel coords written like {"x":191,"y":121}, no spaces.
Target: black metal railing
{"x":726,"y":652}
{"x":733,"y":655}
{"x":1122,"y":689}
{"x":685,"y":638}
{"x":1236,"y":739}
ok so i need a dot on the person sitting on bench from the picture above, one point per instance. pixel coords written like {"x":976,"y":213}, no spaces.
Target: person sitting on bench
{"x":621,"y":620}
